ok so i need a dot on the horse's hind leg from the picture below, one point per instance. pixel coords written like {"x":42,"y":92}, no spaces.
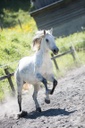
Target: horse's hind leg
{"x":19,"y":89}
{"x":36,"y":88}
{"x":19,"y":96}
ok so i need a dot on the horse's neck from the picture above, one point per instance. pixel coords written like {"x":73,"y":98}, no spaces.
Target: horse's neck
{"x":44,"y":49}
{"x":43,"y":54}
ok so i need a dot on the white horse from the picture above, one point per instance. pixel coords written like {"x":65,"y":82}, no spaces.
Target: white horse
{"x":37,"y":68}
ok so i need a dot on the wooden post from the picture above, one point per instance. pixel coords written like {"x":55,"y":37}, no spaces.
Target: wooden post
{"x":20,"y":23}
{"x":10,"y":80}
{"x":1,"y":26}
{"x":73,"y":53}
{"x":55,"y":63}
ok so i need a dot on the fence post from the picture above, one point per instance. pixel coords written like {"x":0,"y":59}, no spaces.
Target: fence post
{"x":10,"y":80}
{"x":55,"y":63}
{"x":20,"y":23}
{"x":73,"y":53}
{"x":1,"y":26}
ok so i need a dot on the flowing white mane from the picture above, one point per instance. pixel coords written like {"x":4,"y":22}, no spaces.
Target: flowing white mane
{"x":38,"y":37}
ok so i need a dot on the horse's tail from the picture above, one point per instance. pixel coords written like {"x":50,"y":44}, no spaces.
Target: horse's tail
{"x":17,"y":76}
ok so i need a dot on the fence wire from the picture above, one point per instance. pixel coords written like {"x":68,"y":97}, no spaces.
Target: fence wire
{"x":6,"y":65}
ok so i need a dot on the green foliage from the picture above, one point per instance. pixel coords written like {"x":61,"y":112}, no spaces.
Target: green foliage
{"x":12,"y":10}
{"x":13,"y":46}
{"x":77,"y":40}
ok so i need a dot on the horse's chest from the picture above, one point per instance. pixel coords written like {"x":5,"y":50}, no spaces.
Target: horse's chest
{"x":45,"y":67}
{"x":43,"y":64}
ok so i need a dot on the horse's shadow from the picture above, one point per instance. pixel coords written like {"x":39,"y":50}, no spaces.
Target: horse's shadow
{"x":49,"y":112}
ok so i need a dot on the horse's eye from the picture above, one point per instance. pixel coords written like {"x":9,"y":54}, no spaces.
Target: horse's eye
{"x":47,"y":40}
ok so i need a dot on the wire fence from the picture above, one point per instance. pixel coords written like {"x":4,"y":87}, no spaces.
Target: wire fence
{"x":9,"y":64}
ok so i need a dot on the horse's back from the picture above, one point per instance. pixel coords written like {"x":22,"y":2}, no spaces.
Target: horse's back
{"x":25,"y":68}
{"x":26,"y":63}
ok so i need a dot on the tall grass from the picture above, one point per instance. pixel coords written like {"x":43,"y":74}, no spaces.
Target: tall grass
{"x":76,"y":39}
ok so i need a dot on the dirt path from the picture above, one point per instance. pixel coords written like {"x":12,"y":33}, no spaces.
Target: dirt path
{"x":66,"y":110}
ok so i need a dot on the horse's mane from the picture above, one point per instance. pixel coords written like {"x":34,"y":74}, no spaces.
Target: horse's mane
{"x":38,"y":37}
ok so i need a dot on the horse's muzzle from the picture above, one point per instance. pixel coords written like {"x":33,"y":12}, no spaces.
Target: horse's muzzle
{"x":55,"y":51}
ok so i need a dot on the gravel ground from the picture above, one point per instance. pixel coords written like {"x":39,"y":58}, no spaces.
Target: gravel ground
{"x":66,"y":110}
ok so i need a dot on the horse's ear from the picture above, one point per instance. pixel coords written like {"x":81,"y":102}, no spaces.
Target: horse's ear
{"x":51,"y":31}
{"x":44,"y":32}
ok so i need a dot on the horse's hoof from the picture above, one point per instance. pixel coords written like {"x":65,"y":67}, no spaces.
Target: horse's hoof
{"x":22,"y":114}
{"x":38,"y":109}
{"x":47,"y":101}
{"x":51,"y":92}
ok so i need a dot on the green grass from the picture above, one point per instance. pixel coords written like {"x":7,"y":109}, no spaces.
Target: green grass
{"x":66,"y":63}
{"x":76,"y":39}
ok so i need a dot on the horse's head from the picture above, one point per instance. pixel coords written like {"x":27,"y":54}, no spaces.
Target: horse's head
{"x":46,"y":40}
{"x":50,"y":41}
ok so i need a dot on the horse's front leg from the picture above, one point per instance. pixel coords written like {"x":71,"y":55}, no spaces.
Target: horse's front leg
{"x":51,"y":78}
{"x":44,"y":81}
{"x":54,"y":85}
{"x":47,"y":99}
